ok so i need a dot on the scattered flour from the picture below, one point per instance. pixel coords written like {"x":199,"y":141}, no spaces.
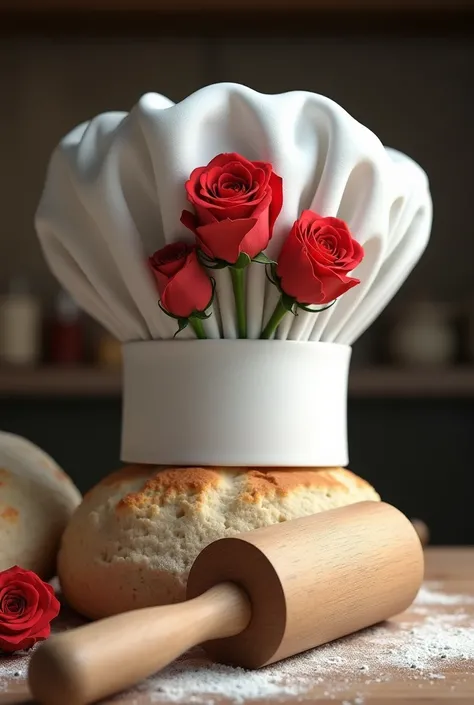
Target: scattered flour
{"x":432,"y":596}
{"x":14,"y":667}
{"x":421,"y":649}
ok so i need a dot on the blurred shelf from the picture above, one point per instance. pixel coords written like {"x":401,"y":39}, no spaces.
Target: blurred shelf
{"x":370,"y":383}
{"x":409,"y":383}
{"x":59,"y":382}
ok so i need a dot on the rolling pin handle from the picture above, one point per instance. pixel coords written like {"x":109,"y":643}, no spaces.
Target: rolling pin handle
{"x":101,"y":658}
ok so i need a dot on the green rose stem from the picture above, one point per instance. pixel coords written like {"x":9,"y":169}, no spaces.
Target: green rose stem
{"x":198,"y":327}
{"x":238,"y":283}
{"x":275,"y":320}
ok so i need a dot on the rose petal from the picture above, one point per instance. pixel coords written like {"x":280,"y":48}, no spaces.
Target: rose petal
{"x":357,"y":255}
{"x":207,"y":180}
{"x":30,"y":595}
{"x":189,"y":291}
{"x":276,"y":202}
{"x":237,"y":171}
{"x":12,"y":606}
{"x":161,"y":280}
{"x":308,"y":218}
{"x":208,"y":194}
{"x":258,"y":238}
{"x":14,"y":632}
{"x":296,"y":272}
{"x":25,"y":642}
{"x":222,"y":239}
{"x":206,"y":215}
{"x":7,"y":575}
{"x":51,"y":613}
{"x":46,"y":613}
{"x":248,"y":187}
{"x":170,"y":258}
{"x":193,"y":181}
{"x":337,"y":285}
{"x":188,"y":219}
{"x":318,"y":252}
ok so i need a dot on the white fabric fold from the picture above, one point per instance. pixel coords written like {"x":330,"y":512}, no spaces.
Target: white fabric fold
{"x":114,"y":194}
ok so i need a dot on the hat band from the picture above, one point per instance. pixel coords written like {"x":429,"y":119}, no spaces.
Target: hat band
{"x":235,"y":403}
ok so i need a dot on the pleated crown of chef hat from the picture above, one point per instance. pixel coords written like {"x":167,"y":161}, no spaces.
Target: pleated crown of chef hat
{"x":115,"y":194}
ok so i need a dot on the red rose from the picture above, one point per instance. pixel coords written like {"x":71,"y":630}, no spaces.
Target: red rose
{"x":236,"y":203}
{"x":183,"y":284}
{"x":316,"y":258}
{"x":27,"y":606}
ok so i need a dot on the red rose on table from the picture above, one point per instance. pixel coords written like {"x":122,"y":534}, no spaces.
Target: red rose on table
{"x":236,"y":203}
{"x":183,"y":284}
{"x":316,"y":258}
{"x":27,"y":606}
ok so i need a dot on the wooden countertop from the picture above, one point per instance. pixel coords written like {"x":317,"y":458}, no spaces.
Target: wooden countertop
{"x":448,"y":599}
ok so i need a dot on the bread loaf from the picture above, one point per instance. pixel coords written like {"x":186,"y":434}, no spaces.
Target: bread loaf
{"x":134,"y":538}
{"x":37,"y":500}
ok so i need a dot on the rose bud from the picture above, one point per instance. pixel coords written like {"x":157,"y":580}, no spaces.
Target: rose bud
{"x":313,"y":266}
{"x":316,"y":258}
{"x":183,"y":285}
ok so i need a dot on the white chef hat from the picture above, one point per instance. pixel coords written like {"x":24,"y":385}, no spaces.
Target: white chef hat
{"x":114,"y":194}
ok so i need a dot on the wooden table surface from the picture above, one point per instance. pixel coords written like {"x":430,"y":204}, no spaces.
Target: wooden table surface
{"x":449,"y":575}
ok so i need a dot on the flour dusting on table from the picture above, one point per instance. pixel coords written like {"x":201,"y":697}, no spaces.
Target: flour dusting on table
{"x":419,"y":648}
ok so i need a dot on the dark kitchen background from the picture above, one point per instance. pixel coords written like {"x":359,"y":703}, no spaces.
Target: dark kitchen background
{"x":404,"y":69}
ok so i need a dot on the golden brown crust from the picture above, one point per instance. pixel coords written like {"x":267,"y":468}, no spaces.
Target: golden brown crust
{"x":268,"y":481}
{"x":10,"y":514}
{"x":129,"y":472}
{"x":163,"y":485}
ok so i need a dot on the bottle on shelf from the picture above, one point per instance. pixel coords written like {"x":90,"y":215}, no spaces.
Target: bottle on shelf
{"x":67,"y":342}
{"x":20,"y":324}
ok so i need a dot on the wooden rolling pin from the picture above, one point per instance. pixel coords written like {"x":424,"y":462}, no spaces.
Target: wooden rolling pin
{"x":252,"y":600}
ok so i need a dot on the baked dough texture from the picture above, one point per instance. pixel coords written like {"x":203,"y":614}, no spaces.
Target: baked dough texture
{"x":134,"y":538}
{"x":37,"y":499}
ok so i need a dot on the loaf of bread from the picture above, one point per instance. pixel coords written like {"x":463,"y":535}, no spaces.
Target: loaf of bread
{"x":37,"y":499}
{"x":134,"y":538}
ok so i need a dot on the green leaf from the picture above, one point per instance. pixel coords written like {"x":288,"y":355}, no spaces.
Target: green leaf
{"x":182,"y":324}
{"x":262,"y":258}
{"x":288,"y":303}
{"x":243,"y":261}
